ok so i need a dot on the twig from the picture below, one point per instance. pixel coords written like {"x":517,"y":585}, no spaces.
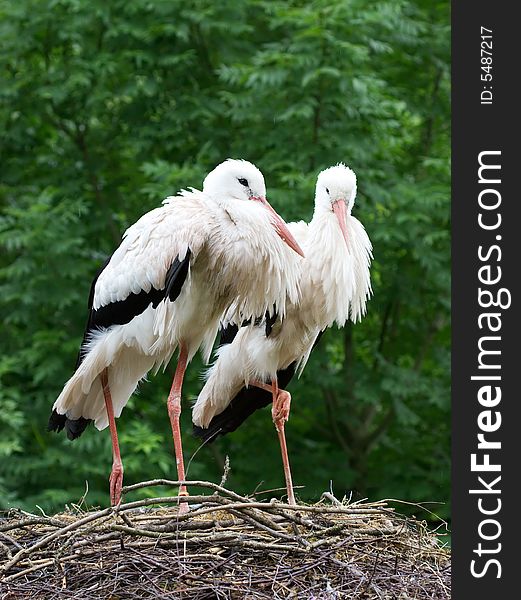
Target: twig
{"x":329,"y":496}
{"x":226,"y":471}
{"x":204,"y":484}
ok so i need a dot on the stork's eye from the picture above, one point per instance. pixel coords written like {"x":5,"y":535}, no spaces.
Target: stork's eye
{"x":243,"y":181}
{"x":327,"y":190}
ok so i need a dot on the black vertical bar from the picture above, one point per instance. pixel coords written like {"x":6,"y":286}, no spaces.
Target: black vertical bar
{"x":490,"y":540}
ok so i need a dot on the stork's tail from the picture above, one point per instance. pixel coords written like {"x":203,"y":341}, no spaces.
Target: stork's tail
{"x":82,"y":400}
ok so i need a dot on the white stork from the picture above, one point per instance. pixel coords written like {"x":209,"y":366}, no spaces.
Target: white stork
{"x":335,"y":285}
{"x":166,"y":287}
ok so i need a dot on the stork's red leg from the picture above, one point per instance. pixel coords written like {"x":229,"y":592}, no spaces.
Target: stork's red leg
{"x":174,"y":412}
{"x":280,"y":414}
{"x":116,"y":475}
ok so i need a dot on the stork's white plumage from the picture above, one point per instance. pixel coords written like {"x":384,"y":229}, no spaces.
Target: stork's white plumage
{"x":335,"y":285}
{"x":166,"y":287}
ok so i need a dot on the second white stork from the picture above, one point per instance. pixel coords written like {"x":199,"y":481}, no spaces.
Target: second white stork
{"x":178,"y":268}
{"x":335,"y":285}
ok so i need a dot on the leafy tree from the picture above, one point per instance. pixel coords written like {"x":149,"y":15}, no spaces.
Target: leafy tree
{"x":106,"y":108}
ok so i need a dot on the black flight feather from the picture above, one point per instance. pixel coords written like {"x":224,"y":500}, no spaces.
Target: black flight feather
{"x":175,"y":277}
{"x":244,"y":404}
{"x":73,"y":427}
{"x":120,"y":313}
{"x":227,"y":334}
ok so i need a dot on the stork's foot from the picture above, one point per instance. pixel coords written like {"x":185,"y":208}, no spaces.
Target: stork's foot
{"x":280,"y":409}
{"x":184,"y":509}
{"x":116,"y":483}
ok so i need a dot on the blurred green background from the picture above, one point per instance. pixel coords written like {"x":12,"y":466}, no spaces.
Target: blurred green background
{"x":108,"y":107}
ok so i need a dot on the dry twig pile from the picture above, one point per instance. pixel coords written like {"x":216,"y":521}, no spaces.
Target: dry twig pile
{"x":228,"y":546}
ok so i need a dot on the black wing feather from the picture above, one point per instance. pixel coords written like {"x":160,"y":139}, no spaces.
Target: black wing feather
{"x":123,"y":311}
{"x":120,"y":313}
{"x":73,"y":427}
{"x":176,"y":276}
{"x":245,"y":403}
{"x":227,"y":334}
{"x":270,"y":320}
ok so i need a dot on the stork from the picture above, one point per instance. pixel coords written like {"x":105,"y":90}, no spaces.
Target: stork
{"x":166,"y":287}
{"x":258,"y":360}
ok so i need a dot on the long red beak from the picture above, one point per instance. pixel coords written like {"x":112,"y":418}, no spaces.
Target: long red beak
{"x":339,"y":208}
{"x":280,"y":227}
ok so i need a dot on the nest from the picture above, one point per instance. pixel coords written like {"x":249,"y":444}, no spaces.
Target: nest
{"x":227,"y":546}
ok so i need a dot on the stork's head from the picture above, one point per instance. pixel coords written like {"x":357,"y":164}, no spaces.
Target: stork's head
{"x":335,"y":192}
{"x":235,"y":180}
{"x":241,"y":181}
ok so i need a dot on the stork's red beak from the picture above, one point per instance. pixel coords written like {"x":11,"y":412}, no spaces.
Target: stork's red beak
{"x":280,"y":227}
{"x":339,"y":208}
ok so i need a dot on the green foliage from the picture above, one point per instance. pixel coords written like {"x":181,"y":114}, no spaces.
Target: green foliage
{"x":108,"y":107}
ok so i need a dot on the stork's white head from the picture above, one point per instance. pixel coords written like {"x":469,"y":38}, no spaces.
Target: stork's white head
{"x":241,"y":181}
{"x":334,"y":184}
{"x":236,"y":180}
{"x":336,"y":191}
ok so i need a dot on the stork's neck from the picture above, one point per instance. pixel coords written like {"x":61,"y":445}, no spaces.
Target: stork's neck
{"x":332,"y":279}
{"x":248,"y":254}
{"x":324,"y":224}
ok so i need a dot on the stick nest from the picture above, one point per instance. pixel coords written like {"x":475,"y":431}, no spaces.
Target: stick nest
{"x":227,"y":546}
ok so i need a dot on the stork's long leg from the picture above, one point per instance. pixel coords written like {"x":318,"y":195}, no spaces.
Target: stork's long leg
{"x":174,"y":412}
{"x":116,"y":475}
{"x":280,"y":414}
